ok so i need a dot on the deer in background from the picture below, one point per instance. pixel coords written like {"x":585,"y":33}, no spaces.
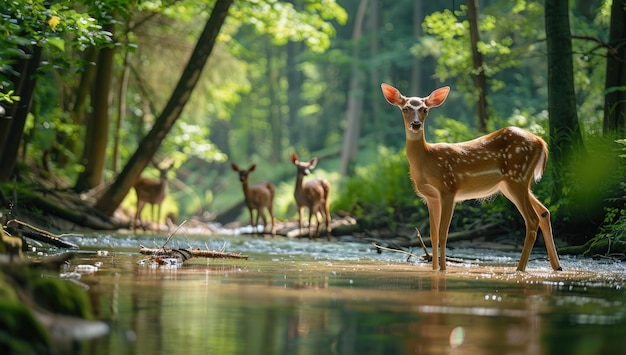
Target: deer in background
{"x":258,"y":197}
{"x":315,"y":195}
{"x":504,"y":161}
{"x":152,"y":192}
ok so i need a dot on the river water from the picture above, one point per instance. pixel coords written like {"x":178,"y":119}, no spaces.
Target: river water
{"x":305,"y":297}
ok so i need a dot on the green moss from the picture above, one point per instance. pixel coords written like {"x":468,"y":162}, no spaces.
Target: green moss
{"x":61,"y":296}
{"x":20,"y":332}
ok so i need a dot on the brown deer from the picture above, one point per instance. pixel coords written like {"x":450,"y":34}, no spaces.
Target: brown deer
{"x":258,"y":197}
{"x":314,"y":195}
{"x":504,"y":161}
{"x":152,"y":192}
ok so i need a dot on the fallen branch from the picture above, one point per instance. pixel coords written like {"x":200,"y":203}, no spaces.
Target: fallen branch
{"x":419,"y":236}
{"x":43,"y":235}
{"x":194,"y":252}
{"x":425,"y":257}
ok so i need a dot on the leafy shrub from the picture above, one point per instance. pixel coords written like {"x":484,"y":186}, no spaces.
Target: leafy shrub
{"x":381,"y":186}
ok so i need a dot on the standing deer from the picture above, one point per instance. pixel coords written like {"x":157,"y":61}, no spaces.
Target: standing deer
{"x":315,"y":195}
{"x":504,"y":161}
{"x":258,"y":197}
{"x":152,"y":192}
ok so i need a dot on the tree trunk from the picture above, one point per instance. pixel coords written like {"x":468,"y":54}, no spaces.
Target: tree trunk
{"x":12,"y":125}
{"x":373,"y":28}
{"x":565,"y":132}
{"x":416,"y":68}
{"x":295,"y":79}
{"x":274,"y":118}
{"x":294,"y":83}
{"x":615,"y":82}
{"x":121,"y":111}
{"x":112,"y":198}
{"x":355,"y":98}
{"x":480,"y":80}
{"x":95,"y":149}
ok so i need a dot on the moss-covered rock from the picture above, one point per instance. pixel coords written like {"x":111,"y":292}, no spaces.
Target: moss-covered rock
{"x":20,"y":332}
{"x":62,"y":297}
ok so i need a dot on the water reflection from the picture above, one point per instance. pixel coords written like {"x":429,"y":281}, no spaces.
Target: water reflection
{"x":281,"y":303}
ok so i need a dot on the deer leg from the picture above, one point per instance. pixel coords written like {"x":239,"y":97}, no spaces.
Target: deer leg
{"x":151,"y":215}
{"x":520,"y":196}
{"x":271,"y":211}
{"x":158,"y":217}
{"x":434,"y":214}
{"x":252,"y":225}
{"x":261,"y":211}
{"x":447,"y":210}
{"x":311,"y":212}
{"x":140,"y":205}
{"x":546,"y":229}
{"x":317,"y":223}
{"x":300,"y":220}
{"x":328,"y":225}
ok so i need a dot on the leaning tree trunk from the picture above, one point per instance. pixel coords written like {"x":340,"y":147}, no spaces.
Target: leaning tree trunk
{"x":112,"y":198}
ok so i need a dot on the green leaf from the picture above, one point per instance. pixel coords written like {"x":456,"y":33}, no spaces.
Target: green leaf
{"x":57,"y":43}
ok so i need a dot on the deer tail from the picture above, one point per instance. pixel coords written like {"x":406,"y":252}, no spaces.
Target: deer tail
{"x":326,"y":187}
{"x":542,"y":163}
{"x":271,"y":188}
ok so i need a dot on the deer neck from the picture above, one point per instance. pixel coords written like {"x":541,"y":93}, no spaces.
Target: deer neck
{"x":246,"y":188}
{"x":416,"y":146}
{"x":417,"y":153}
{"x":299,"y":184}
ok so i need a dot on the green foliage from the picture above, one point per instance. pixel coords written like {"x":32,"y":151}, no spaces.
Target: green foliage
{"x":190,"y":140}
{"x":53,"y":26}
{"x":452,"y":35}
{"x":381,"y":186}
{"x":283,"y":23}
{"x":613,"y":229}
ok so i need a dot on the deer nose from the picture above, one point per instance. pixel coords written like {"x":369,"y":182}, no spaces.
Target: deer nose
{"x":416,"y":124}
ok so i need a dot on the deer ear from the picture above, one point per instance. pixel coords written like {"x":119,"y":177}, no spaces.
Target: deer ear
{"x":312,"y":163}
{"x":392,"y":95}
{"x":294,"y":157}
{"x":437,"y":97}
{"x":234,"y":166}
{"x":252,"y":167}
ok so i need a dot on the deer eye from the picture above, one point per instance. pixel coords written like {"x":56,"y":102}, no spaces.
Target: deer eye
{"x":405,"y":109}
{"x":424,"y":109}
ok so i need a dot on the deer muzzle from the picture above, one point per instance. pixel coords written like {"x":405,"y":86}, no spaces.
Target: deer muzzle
{"x":416,"y":124}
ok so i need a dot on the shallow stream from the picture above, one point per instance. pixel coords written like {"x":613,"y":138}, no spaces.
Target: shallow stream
{"x":305,"y":297}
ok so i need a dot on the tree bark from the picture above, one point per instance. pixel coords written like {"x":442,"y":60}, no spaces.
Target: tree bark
{"x":95,"y":149}
{"x":565,"y":131}
{"x":275,"y":118}
{"x":355,"y":98}
{"x":480,"y":80}
{"x":112,"y":198}
{"x":615,"y":82}
{"x":12,"y":125}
